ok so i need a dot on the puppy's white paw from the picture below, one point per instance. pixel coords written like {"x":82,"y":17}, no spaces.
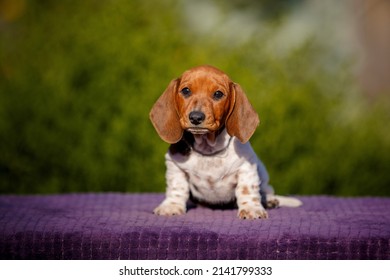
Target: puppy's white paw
{"x":169,"y":209}
{"x":252,"y":213}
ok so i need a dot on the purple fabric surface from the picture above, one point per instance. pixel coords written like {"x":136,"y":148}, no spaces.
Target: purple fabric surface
{"x":122,"y":226}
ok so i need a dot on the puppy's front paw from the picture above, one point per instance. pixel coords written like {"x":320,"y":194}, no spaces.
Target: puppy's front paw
{"x":169,"y":209}
{"x":252,"y":213}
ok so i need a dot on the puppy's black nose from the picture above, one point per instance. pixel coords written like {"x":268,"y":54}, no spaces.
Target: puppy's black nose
{"x":196,"y":117}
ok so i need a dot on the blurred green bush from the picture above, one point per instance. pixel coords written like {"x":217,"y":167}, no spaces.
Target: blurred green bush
{"x":78,"y":78}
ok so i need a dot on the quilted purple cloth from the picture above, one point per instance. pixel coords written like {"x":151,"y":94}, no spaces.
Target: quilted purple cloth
{"x":122,"y":226}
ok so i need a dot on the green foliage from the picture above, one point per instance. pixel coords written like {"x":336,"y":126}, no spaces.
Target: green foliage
{"x":78,"y":78}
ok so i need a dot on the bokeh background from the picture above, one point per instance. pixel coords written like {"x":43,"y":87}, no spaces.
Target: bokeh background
{"x":78,"y":79}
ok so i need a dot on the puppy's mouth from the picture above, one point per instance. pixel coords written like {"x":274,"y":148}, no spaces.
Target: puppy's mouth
{"x":198,"y":130}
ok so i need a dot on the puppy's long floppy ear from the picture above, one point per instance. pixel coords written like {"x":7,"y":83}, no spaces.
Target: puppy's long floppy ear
{"x":242,"y":119}
{"x":164,"y":115}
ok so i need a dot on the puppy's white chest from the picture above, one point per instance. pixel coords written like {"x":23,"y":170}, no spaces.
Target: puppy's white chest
{"x":212,"y":178}
{"x":211,"y":170}
{"x":207,"y":166}
{"x":212,"y":181}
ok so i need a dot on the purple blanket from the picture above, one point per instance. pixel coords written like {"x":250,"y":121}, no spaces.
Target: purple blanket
{"x":122,"y":226}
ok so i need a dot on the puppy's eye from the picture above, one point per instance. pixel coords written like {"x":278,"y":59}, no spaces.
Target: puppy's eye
{"x":186,"y":92}
{"x":218,"y":95}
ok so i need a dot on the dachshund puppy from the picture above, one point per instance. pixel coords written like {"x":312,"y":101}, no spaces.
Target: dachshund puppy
{"x":208,"y":121}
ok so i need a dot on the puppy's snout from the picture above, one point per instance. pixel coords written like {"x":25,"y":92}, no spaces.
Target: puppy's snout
{"x":196,"y":117}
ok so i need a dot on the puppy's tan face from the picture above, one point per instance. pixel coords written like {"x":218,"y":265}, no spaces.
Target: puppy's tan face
{"x":203,"y":100}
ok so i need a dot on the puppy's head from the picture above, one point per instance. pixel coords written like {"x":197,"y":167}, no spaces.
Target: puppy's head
{"x":202,"y":101}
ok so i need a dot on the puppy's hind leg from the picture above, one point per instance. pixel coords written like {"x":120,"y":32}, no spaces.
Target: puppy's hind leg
{"x":286,"y":201}
{"x":267,"y":197}
{"x":270,"y":200}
